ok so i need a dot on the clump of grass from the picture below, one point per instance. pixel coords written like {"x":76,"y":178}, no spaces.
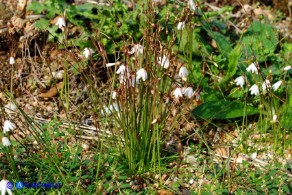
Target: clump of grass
{"x":147,"y":83}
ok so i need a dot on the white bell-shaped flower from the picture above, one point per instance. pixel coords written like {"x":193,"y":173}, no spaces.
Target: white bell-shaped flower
{"x":141,"y":74}
{"x":181,"y":26}
{"x":11,"y":60}
{"x":164,"y":61}
{"x":177,"y":92}
{"x":277,"y":85}
{"x":252,"y":68}
{"x":189,"y":92}
{"x":137,"y":48}
{"x":8,"y":126}
{"x":88,"y":52}
{"x":183,"y":73}
{"x":61,"y":23}
{"x":286,"y":68}
{"x":254,"y":90}
{"x":6,"y":141}
{"x":239,"y":81}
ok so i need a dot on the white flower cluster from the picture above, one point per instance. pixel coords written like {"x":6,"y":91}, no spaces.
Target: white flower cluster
{"x":8,"y":126}
{"x":254,"y":89}
{"x":129,"y":78}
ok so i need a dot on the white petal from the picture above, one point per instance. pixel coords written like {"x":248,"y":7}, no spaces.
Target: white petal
{"x":252,"y":68}
{"x":253,"y":155}
{"x":141,"y":74}
{"x":192,"y":5}
{"x":164,"y":61}
{"x":287,"y":68}
{"x":6,"y":141}
{"x":177,"y":92}
{"x":137,"y":48}
{"x":8,"y":126}
{"x":121,"y":69}
{"x":110,"y":64}
{"x":11,"y":60}
{"x":180,"y":26}
{"x":88,"y":52}
{"x":266,"y":85}
{"x":275,"y":118}
{"x":189,"y":92}
{"x":183,"y":73}
{"x":277,"y":85}
{"x":61,"y":23}
{"x":239,"y":81}
{"x":58,"y":74}
{"x":114,"y":95}
{"x":254,"y":90}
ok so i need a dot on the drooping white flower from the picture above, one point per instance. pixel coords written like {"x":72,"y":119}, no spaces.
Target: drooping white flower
{"x":191,"y":181}
{"x":239,"y":81}
{"x":252,"y":68}
{"x":192,"y":5}
{"x":121,"y":69}
{"x":183,"y":73}
{"x":110,"y":64}
{"x":137,"y":48}
{"x":141,"y":74}
{"x":164,"y":61}
{"x":61,"y":23}
{"x":4,"y":188}
{"x":88,"y":52}
{"x":58,"y":74}
{"x":6,"y":141}
{"x":114,"y":95}
{"x":110,"y":109}
{"x":287,"y":68}
{"x":275,"y":117}
{"x":266,"y":85}
{"x":124,"y":73}
{"x":189,"y":92}
{"x":181,"y":26}
{"x":254,"y":90}
{"x":177,"y":92}
{"x":8,"y":126}
{"x":277,"y":85}
{"x":11,"y":60}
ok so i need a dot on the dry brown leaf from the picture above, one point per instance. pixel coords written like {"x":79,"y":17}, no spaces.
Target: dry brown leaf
{"x":53,"y":91}
{"x":164,"y":192}
{"x":222,"y":151}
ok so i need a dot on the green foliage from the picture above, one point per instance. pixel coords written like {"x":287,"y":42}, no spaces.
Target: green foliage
{"x":221,"y":109}
{"x":143,"y":117}
{"x":233,"y":57}
{"x":259,"y":41}
{"x":114,"y":21}
{"x":223,"y":44}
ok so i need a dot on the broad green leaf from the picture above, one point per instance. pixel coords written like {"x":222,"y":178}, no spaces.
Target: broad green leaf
{"x":221,"y":109}
{"x":42,"y":24}
{"x":260,"y":41}
{"x":233,"y":58}
{"x":36,"y":7}
{"x":223,"y":44}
